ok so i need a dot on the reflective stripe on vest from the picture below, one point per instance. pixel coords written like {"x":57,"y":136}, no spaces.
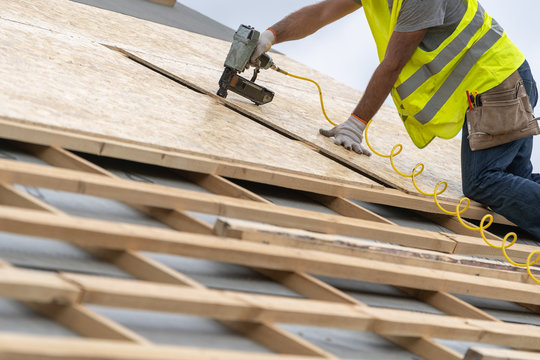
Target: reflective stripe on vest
{"x":451,"y":84}
{"x":443,"y":58}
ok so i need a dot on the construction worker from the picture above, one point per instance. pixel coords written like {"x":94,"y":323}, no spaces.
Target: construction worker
{"x":433,"y":55}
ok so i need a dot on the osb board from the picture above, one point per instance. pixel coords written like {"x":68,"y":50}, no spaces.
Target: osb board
{"x":295,"y":109}
{"x":66,"y":82}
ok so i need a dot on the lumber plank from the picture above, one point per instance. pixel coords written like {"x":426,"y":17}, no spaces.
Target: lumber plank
{"x":242,"y":306}
{"x":15,"y":130}
{"x":348,"y":208}
{"x":9,"y":195}
{"x":180,"y":199}
{"x":217,"y":304}
{"x":221,"y":186}
{"x":266,"y":334}
{"x":87,"y":322}
{"x":36,"y":286}
{"x":495,"y":331}
{"x":78,"y":318}
{"x":28,"y":347}
{"x":146,"y":268}
{"x":229,"y":305}
{"x":427,"y":349}
{"x":478,"y":353}
{"x":314,"y":288}
{"x":59,"y":157}
{"x":300,"y":239}
{"x":308,"y":286}
{"x":450,"y":304}
{"x":98,"y":233}
{"x":278,"y":339}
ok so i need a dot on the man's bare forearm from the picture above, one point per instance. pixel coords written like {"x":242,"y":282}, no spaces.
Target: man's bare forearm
{"x":399,"y":51}
{"x":377,"y":90}
{"x":309,"y":19}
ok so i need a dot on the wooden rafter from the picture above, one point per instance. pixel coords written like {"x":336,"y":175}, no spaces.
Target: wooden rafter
{"x":230,"y":305}
{"x":90,"y":324}
{"x":99,"y":233}
{"x":164,"y":197}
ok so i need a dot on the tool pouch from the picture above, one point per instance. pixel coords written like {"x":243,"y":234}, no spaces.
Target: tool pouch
{"x":505,"y":115}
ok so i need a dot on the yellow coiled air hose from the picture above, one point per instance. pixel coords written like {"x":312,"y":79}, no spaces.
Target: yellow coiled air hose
{"x":461,"y":207}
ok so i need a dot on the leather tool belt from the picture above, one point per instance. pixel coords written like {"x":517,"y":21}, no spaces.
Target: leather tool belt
{"x":501,"y":115}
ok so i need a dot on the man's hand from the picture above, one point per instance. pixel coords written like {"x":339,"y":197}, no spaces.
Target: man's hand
{"x":349,"y":135}
{"x":266,"y":40}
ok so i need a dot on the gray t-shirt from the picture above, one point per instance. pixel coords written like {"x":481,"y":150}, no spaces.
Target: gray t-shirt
{"x":441,"y":17}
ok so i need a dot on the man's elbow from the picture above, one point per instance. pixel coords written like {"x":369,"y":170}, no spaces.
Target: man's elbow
{"x":393,"y":65}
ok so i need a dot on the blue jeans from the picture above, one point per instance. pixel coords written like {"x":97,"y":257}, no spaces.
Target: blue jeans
{"x":501,"y":177}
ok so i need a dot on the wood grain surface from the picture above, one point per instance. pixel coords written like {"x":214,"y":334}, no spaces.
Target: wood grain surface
{"x":199,"y":60}
{"x":70,"y":83}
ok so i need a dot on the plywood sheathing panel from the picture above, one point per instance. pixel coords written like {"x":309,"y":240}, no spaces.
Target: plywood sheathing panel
{"x":297,"y":112}
{"x":65,"y":82}
{"x":198,"y":59}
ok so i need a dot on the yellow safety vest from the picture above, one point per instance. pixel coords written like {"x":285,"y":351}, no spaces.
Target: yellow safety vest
{"x":430,"y":93}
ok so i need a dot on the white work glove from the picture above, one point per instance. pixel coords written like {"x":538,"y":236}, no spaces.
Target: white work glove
{"x":348,"y":135}
{"x":266,"y":40}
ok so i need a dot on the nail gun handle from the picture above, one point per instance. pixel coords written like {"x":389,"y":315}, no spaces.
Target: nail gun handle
{"x":266,"y":62}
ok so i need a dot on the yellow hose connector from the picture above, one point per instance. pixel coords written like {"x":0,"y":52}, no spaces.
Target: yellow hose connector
{"x":462,"y":206}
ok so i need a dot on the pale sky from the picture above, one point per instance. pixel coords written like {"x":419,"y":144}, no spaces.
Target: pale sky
{"x":345,"y":49}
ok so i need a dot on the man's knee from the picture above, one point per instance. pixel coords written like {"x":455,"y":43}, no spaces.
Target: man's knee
{"x":478,"y":189}
{"x":470,"y":188}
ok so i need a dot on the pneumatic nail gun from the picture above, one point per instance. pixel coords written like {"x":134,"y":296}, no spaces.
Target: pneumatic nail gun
{"x":242,"y":48}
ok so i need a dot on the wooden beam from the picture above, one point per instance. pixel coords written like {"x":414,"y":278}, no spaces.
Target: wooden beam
{"x":248,"y":307}
{"x":9,"y":195}
{"x":300,"y":239}
{"x":308,"y":280}
{"x":82,"y":320}
{"x":313,"y":288}
{"x":237,"y":306}
{"x":16,"y":130}
{"x":221,"y":186}
{"x":427,"y":348}
{"x":308,"y":286}
{"x":87,"y":322}
{"x":65,"y":159}
{"x":99,"y":233}
{"x":179,"y":199}
{"x":477,"y":353}
{"x":449,"y":304}
{"x":452,"y":223}
{"x":59,"y":157}
{"x":29,"y":347}
{"x":278,"y":339}
{"x":36,"y":286}
{"x":348,"y":208}
{"x":145,"y":268}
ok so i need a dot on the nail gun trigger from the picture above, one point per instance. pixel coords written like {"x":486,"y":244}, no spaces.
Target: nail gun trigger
{"x":256,"y":72}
